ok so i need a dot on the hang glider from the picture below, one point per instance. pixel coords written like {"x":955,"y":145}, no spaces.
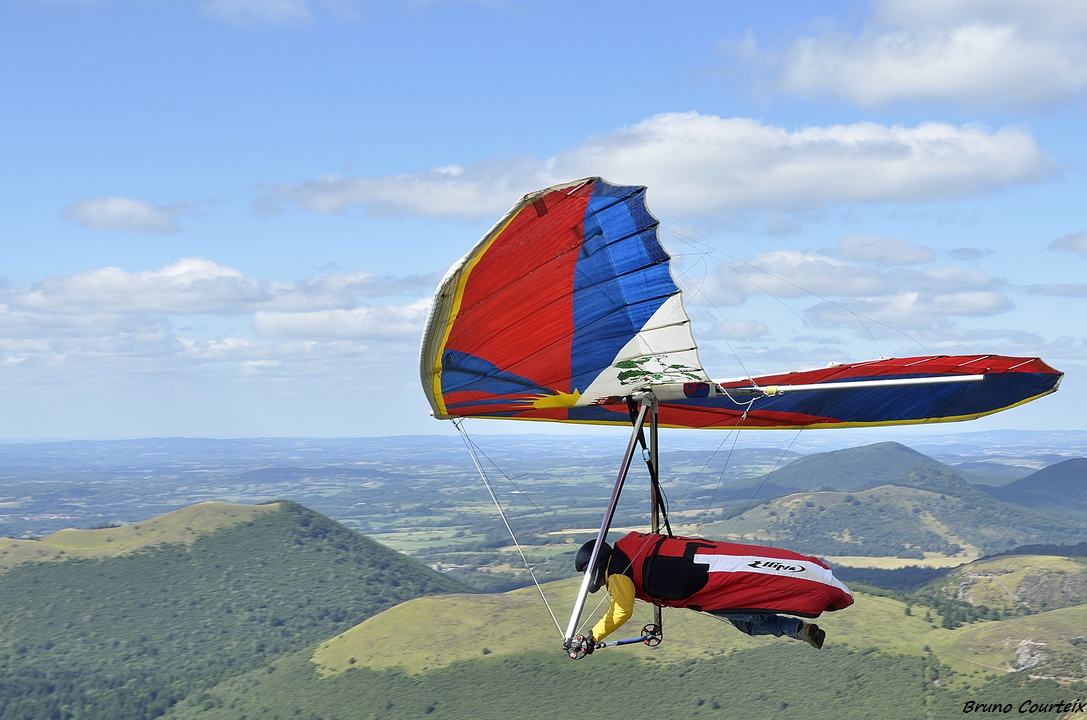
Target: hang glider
{"x":568,"y":307}
{"x":567,"y":311}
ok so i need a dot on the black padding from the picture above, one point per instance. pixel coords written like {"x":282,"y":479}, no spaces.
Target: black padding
{"x":674,"y":578}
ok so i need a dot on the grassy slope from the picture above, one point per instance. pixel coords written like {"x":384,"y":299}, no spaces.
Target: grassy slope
{"x":181,"y":527}
{"x":434,"y":632}
{"x":1019,"y":583}
{"x":147,"y":627}
{"x":761,"y":684}
{"x":1059,"y":636}
{"x":498,"y":656}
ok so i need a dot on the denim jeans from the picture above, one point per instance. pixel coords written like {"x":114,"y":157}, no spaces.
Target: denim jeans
{"x":763,"y":623}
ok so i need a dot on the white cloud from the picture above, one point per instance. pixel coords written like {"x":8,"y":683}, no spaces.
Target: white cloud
{"x":258,"y":12}
{"x":953,"y":340}
{"x":969,"y":253}
{"x":110,"y":330}
{"x":449,"y":191}
{"x":1076,"y":242}
{"x":791,"y":273}
{"x":889,"y":251}
{"x":190,"y":285}
{"x":378,"y":322}
{"x":734,"y":328}
{"x":201,"y":286}
{"x":909,"y":310}
{"x":1076,"y":290}
{"x":1004,"y":52}
{"x":697,"y":164}
{"x":120,"y":213}
{"x":797,"y":274}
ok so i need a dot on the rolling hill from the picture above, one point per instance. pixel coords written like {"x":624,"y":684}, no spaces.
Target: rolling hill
{"x":498,"y":656}
{"x":1017,"y":583}
{"x":131,"y":619}
{"x":868,"y":466}
{"x":180,"y":527}
{"x":893,"y":520}
{"x":1060,"y":488}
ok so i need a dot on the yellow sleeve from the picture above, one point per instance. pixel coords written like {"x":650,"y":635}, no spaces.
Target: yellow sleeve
{"x":621,"y":589}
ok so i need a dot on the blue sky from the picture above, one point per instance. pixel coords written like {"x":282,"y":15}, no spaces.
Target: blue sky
{"x":226,"y":217}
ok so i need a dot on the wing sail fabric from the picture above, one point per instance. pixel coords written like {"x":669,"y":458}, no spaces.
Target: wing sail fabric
{"x":568,"y":305}
{"x":1008,"y":381}
{"x":568,"y":300}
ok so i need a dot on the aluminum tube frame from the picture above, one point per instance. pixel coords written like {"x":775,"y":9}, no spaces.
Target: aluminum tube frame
{"x":654,"y":486}
{"x":609,"y":514}
{"x":667,"y":392}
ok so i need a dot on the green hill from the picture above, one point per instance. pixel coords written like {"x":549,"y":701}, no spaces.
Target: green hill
{"x":985,"y":472}
{"x":1058,"y":488}
{"x":181,"y":527}
{"x":1017,"y":583}
{"x":868,"y":466}
{"x":498,"y":656}
{"x":1049,"y":645}
{"x":896,"y":521}
{"x":124,"y":629}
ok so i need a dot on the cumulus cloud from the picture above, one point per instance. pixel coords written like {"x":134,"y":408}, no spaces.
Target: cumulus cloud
{"x":380,"y":322}
{"x":698,"y":164}
{"x":1076,"y":290}
{"x":969,"y":253}
{"x":909,"y":310}
{"x":888,"y":251}
{"x":1076,"y":242}
{"x":795,"y":274}
{"x":953,"y":339}
{"x":449,"y":191}
{"x":107,"y":327}
{"x":738,"y":329}
{"x":201,"y":286}
{"x":190,"y":285}
{"x":254,"y":12}
{"x":1009,"y":52}
{"x":120,"y":213}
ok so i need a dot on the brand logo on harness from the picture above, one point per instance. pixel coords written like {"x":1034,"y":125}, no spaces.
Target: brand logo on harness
{"x":770,"y":565}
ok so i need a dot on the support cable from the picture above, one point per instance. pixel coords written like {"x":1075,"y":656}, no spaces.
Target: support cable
{"x":654,"y":474}
{"x":483,"y":476}
{"x":751,"y":500}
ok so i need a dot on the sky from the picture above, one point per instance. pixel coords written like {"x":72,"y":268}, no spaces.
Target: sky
{"x":227,"y":218}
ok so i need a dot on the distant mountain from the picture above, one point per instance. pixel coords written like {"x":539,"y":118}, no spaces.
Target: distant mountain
{"x":892,"y":520}
{"x":1058,"y":488}
{"x":868,"y":466}
{"x":983,"y":472}
{"x":122,"y":622}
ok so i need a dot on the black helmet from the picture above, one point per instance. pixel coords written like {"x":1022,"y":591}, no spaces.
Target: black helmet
{"x":582,"y":561}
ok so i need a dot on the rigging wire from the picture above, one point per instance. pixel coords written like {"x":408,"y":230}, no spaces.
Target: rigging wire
{"x":483,"y":476}
{"x":765,"y":478}
{"x":701,"y":247}
{"x":697,"y":292}
{"x":556,"y":527}
{"x":728,"y":458}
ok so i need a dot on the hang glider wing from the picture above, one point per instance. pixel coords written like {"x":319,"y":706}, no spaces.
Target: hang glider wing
{"x":568,"y":306}
{"x":568,"y":300}
{"x":889,"y":391}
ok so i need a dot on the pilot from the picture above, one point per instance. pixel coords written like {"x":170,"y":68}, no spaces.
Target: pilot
{"x":757,"y":589}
